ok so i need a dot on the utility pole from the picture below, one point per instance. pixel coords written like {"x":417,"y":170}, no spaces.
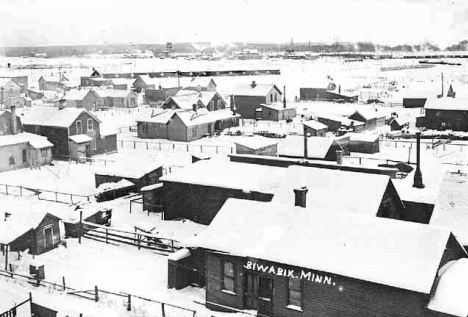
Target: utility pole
{"x":1,"y":97}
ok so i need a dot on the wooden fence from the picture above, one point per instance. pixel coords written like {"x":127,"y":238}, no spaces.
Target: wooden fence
{"x":176,"y":147}
{"x":94,"y":294}
{"x":156,"y":208}
{"x":138,"y":239}
{"x":43,"y":194}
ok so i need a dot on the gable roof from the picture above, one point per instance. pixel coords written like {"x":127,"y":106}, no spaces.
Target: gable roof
{"x":78,"y":94}
{"x":317,"y":147}
{"x":203,"y":116}
{"x":114,"y":93}
{"x":278,"y":106}
{"x":446,"y":104}
{"x":131,"y":167}
{"x":200,"y":81}
{"x":255,"y":142}
{"x":4,"y":81}
{"x":53,"y":116}
{"x":343,"y":120}
{"x":160,"y":117}
{"x":368,"y":114}
{"x":227,"y":174}
{"x":451,"y":206}
{"x":257,"y":90}
{"x":396,"y":253}
{"x":36,"y":141}
{"x":204,"y":96}
{"x":185,"y":101}
{"x":325,"y":185}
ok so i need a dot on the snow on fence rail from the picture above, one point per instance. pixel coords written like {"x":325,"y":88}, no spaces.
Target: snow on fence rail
{"x":176,"y":147}
{"x":137,"y":239}
{"x":43,"y":194}
{"x":84,"y":160}
{"x":100,"y":295}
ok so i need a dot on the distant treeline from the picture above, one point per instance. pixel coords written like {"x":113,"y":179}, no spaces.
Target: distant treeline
{"x":79,"y":50}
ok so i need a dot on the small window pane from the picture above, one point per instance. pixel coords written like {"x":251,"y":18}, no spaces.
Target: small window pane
{"x":295,"y":292}
{"x":228,"y":269}
{"x":228,"y":284}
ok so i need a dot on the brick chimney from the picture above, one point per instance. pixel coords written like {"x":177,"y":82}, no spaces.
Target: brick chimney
{"x":339,"y":157}
{"x":305,"y":143}
{"x":418,"y":182}
{"x":14,"y":126}
{"x":300,"y":196}
{"x":254,"y":84}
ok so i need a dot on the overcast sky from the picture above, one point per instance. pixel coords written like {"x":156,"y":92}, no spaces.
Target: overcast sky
{"x":50,"y":22}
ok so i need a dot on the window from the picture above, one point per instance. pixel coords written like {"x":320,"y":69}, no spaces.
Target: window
{"x":90,"y":124}
{"x":12,"y":160}
{"x":79,"y":127}
{"x":37,"y":129}
{"x":211,"y":105}
{"x":44,"y":153}
{"x":271,"y":98}
{"x":295,"y":292}
{"x":25,"y":156}
{"x":276,"y":97}
{"x":220,"y":104}
{"x":228,"y":276}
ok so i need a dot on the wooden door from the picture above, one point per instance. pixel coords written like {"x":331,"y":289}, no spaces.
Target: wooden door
{"x":88,"y":150}
{"x":48,"y":238}
{"x":251,"y":291}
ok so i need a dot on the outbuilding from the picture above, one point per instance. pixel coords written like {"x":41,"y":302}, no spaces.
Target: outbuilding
{"x":83,"y":98}
{"x":153,"y":197}
{"x":446,"y":114}
{"x":335,"y":123}
{"x":286,"y":260}
{"x":318,"y":148}
{"x":256,"y":145}
{"x":364,"y":142}
{"x":249,"y":97}
{"x":371,"y":118}
{"x":315,"y":128}
{"x":276,"y":112}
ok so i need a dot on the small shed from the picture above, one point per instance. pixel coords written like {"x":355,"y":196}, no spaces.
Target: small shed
{"x":152,"y":197}
{"x":364,"y":143}
{"x":276,"y":112}
{"x":140,"y":172}
{"x":396,"y":124}
{"x":36,"y":230}
{"x":319,"y":148}
{"x":371,"y":117}
{"x":315,"y":128}
{"x":256,"y":145}
{"x":93,"y":213}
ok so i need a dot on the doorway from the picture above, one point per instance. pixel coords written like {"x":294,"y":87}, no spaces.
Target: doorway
{"x":48,"y":238}
{"x":258,"y":294}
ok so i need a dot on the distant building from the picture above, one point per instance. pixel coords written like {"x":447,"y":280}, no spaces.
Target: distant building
{"x":446,"y":114}
{"x":185,"y":99}
{"x":144,"y":82}
{"x":336,"y":123}
{"x":74,"y":132}
{"x":35,"y":94}
{"x":52,"y":83}
{"x":364,"y":143}
{"x":185,"y":126}
{"x":249,"y":97}
{"x":201,"y":84}
{"x":115,"y":98}
{"x":319,"y":148}
{"x":276,"y":112}
{"x":396,"y":124}
{"x":87,"y":99}
{"x":371,"y":118}
{"x":326,"y":91}
{"x":9,"y":88}
{"x":315,"y":128}
{"x":19,"y":149}
{"x":20,"y":79}
{"x":121,"y":83}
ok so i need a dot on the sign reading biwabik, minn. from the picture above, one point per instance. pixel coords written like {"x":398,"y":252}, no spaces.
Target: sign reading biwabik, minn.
{"x":274,"y":269}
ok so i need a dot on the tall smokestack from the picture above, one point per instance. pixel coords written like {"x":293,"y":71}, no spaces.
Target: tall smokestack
{"x":306,"y":155}
{"x":300,"y":196}
{"x":14,"y":127}
{"x":284,"y":97}
{"x":442,"y":74}
{"x":418,"y":183}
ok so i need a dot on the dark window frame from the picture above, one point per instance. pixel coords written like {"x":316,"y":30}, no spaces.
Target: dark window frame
{"x":301,"y":291}
{"x":223,"y":276}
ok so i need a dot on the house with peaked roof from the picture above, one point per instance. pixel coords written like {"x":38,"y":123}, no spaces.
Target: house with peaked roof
{"x":53,"y":83}
{"x":185,"y":125}
{"x":277,"y":111}
{"x":19,"y":149}
{"x":117,"y":98}
{"x":318,"y":148}
{"x":201,"y":84}
{"x":249,"y":97}
{"x":446,"y":114}
{"x":371,"y":117}
{"x":289,"y":260}
{"x":87,"y":99}
{"x":75,"y":132}
{"x":10,"y":88}
{"x":185,"y":99}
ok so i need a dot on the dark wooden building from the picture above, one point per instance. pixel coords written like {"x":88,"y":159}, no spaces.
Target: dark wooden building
{"x":315,"y":128}
{"x":87,"y":99}
{"x":371,"y":118}
{"x":276,"y":112}
{"x":446,"y":114}
{"x":153,"y":197}
{"x":335,"y":123}
{"x":74,"y":132}
{"x":249,"y":97}
{"x":364,"y":143}
{"x":322,"y":94}
{"x":198,"y":191}
{"x":291,"y":261}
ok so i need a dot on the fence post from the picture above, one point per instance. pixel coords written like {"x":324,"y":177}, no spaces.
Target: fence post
{"x":30,"y":301}
{"x":216,"y":149}
{"x":129,"y":302}
{"x":134,"y":144}
{"x":360,"y":160}
{"x":201,"y":148}
{"x":6,"y":189}
{"x":80,"y":227}
{"x":71,"y":199}
{"x":172,"y":245}
{"x":159,"y":146}
{"x":162,"y":310}
{"x":96,"y":294}
{"x":121,"y":144}
{"x":63,"y":283}
{"x":173,"y":146}
{"x":146,"y":145}
{"x":21,"y":191}
{"x":107,"y":233}
{"x":232,"y":150}
{"x":138,"y":237}
{"x":395,"y":145}
{"x":56,"y":199}
{"x":187,"y":147}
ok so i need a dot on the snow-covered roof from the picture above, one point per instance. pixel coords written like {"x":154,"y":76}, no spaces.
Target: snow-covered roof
{"x":450,"y":294}
{"x":121,"y":81}
{"x":451,"y":205}
{"x":447,"y":104}
{"x":133,"y":167}
{"x":186,"y":101}
{"x":278,"y":106}
{"x":317,"y":147}
{"x":53,"y":116}
{"x":55,"y":79}
{"x":363,"y":137}
{"x":226,"y":174}
{"x":123,"y":183}
{"x":315,"y":125}
{"x":194,"y":96}
{"x":369,"y":114}
{"x":151,"y":187}
{"x":4,"y":81}
{"x":203,"y":116}
{"x":157,"y":117}
{"x":396,"y":253}
{"x":326,"y":185}
{"x":344,"y":120}
{"x":107,"y":129}
{"x":115,"y":93}
{"x":179,"y":255}
{"x":256,"y":90}
{"x":36,"y":141}
{"x":80,"y":138}
{"x":77,"y":94}
{"x":200,"y":81}
{"x":255,"y":142}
